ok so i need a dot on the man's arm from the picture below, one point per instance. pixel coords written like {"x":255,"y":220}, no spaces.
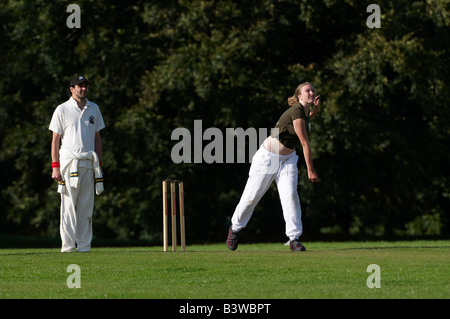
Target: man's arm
{"x":98,"y":146}
{"x":56,"y":172}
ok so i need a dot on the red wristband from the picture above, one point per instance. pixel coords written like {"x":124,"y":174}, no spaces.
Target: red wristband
{"x":100,"y":162}
{"x":55,"y":164}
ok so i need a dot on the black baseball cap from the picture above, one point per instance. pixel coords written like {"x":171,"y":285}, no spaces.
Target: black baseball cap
{"x":78,"y":80}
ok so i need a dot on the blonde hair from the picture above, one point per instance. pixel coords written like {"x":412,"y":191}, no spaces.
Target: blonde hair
{"x":292,"y":100}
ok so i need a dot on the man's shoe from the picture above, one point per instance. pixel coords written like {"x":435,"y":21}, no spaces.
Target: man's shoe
{"x":233,"y":239}
{"x":296,"y":245}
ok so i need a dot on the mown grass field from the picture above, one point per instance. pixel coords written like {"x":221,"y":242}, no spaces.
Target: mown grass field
{"x":416,"y":269}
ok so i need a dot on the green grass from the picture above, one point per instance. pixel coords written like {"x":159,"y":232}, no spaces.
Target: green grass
{"x":417,"y":269}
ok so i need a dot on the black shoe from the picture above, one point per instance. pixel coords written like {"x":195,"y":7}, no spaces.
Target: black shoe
{"x":296,"y":245}
{"x":233,"y":239}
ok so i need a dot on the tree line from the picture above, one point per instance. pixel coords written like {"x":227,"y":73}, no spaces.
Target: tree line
{"x":380,"y":142}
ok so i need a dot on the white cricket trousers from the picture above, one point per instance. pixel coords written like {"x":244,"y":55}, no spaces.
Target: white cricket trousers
{"x":265,"y":168}
{"x":77,"y":206}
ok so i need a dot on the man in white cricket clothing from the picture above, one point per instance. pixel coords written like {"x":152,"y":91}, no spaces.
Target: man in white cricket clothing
{"x":76,"y":152}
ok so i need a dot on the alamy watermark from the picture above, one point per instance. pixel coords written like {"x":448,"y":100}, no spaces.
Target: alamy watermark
{"x":74,"y":19}
{"x":373,"y":20}
{"x":74,"y":280}
{"x":235,"y":145}
{"x":374,"y":280}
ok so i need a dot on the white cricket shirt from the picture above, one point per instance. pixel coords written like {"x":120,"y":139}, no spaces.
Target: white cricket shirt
{"x":77,"y":127}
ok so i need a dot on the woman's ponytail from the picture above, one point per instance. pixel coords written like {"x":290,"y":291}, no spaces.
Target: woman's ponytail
{"x":292,"y":100}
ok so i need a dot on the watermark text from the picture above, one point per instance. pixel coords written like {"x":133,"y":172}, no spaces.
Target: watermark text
{"x":236,"y":145}
{"x":373,"y":20}
{"x":74,"y":280}
{"x":374,"y":280}
{"x":74,"y":19}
